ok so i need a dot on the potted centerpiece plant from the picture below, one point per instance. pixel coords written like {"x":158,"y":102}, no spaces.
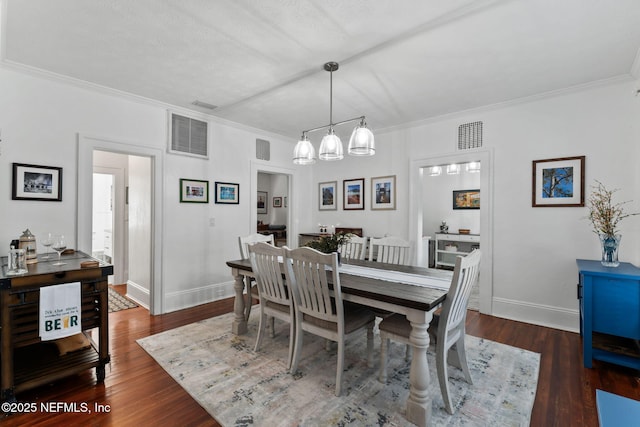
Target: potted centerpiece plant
{"x":605,"y":216}
{"x":330,"y":243}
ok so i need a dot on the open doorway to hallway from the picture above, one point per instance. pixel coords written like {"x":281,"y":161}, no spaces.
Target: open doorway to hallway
{"x":121,"y":220}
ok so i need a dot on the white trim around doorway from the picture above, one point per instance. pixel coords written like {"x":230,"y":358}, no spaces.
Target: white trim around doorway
{"x":86,"y":146}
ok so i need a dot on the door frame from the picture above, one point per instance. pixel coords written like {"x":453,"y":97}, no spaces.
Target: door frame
{"x":87,"y":144}
{"x":485,"y":156}
{"x":261,"y":166}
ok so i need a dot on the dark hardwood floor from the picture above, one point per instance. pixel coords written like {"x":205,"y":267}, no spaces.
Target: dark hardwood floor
{"x":139,"y":392}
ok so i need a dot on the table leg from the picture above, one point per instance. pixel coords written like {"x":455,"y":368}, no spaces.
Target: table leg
{"x":239,"y":325}
{"x":419,"y":401}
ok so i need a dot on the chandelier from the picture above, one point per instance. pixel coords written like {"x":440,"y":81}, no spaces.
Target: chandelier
{"x":361,"y":143}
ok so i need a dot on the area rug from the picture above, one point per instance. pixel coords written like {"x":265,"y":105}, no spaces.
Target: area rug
{"x":240,"y":387}
{"x":119,"y":302}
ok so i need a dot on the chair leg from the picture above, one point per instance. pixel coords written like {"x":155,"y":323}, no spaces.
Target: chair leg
{"x":407,"y":352}
{"x":462,"y":359}
{"x":370,"y":345}
{"x":249,"y":302}
{"x":272,"y":333}
{"x":261,"y":327}
{"x":384,"y":350}
{"x":340,"y":367}
{"x":441,"y":366}
{"x":292,"y":341}
{"x":297,"y":348}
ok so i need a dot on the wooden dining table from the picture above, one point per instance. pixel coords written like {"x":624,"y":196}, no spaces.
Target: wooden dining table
{"x":395,"y":294}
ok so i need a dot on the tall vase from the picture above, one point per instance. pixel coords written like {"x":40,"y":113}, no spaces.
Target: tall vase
{"x":610,"y":244}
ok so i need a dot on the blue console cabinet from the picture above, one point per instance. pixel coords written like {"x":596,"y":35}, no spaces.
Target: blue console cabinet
{"x":609,"y":313}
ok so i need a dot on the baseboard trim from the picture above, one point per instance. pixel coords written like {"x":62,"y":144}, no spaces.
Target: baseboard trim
{"x":179,"y":300}
{"x":537,"y":314}
{"x":138,"y":293}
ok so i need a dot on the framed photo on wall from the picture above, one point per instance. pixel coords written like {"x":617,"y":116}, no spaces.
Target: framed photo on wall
{"x":277,"y":202}
{"x":328,"y":196}
{"x":194,"y":191}
{"x":353,"y":194}
{"x":558,"y":182}
{"x":33,"y":182}
{"x":227,"y":193}
{"x":466,"y":199}
{"x":263,"y":197}
{"x":383,"y":193}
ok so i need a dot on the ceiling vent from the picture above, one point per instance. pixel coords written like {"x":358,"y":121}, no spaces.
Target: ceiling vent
{"x":188,"y":136}
{"x":263,"y":149}
{"x":470,"y":136}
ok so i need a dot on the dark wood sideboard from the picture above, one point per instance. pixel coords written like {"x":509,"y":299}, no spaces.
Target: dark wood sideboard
{"x":26,"y":361}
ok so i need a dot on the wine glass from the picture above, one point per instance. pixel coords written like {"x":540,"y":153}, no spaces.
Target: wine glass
{"x":47,"y":241}
{"x":59,"y":245}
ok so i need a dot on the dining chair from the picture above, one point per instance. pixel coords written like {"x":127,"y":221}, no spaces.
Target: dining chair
{"x":319,"y":309}
{"x":355,"y":248}
{"x":391,"y":250}
{"x":275,"y":298}
{"x":450,"y":323}
{"x":244,"y":243}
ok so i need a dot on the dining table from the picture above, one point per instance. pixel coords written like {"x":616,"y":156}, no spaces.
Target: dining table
{"x":415,"y":292}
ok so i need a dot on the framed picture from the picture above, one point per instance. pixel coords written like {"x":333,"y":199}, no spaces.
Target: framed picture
{"x":194,"y":191}
{"x":466,"y":199}
{"x":353,"y":194}
{"x":227,"y":193}
{"x":558,"y":182}
{"x":263,"y":196}
{"x":383,"y":193}
{"x":33,"y":182}
{"x":328,"y":196}
{"x":277,"y":202}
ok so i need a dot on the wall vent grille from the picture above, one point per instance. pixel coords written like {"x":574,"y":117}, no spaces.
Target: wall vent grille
{"x":188,"y":136}
{"x":263,"y":149}
{"x":470,"y":136}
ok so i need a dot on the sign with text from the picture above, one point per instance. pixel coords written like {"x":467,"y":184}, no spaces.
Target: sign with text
{"x":60,"y":311}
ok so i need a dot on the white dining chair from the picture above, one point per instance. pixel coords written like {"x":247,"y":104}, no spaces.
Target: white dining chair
{"x":355,"y":248}
{"x":275,"y":298}
{"x":450,"y":323}
{"x":244,"y":243}
{"x":390,"y":250}
{"x":319,"y":308}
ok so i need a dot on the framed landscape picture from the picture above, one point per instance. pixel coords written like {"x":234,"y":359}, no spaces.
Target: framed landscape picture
{"x":466,"y":199}
{"x":383,"y":193}
{"x":353,"y":194}
{"x":277,"y":202}
{"x":328,"y":196}
{"x":33,"y":182}
{"x":227,"y":193}
{"x":558,"y":182}
{"x":194,"y":191}
{"x":263,"y":197}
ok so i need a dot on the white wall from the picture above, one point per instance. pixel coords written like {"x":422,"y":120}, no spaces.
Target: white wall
{"x":140,"y":231}
{"x":534,"y":270}
{"x":40,"y":120}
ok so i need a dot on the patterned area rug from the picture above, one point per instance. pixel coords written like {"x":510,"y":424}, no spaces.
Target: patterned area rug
{"x":118,"y":302}
{"x":241,"y":388}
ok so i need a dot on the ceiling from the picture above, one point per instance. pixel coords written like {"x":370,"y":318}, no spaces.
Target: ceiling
{"x":261,"y":62}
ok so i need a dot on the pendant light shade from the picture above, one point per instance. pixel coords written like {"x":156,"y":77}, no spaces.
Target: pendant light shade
{"x":362,"y":142}
{"x":331,"y":147}
{"x":304,"y":153}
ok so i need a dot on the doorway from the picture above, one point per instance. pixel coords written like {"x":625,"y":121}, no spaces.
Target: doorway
{"x":422,"y":223}
{"x":140,"y":190}
{"x":273,"y":206}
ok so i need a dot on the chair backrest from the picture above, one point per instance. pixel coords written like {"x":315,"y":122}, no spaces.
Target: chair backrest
{"x":307,"y":274}
{"x":355,"y":248}
{"x":454,"y":308}
{"x":245,"y":241}
{"x":266,"y":265}
{"x":392,"y":250}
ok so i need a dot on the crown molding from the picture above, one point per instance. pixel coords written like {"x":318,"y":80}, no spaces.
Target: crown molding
{"x":624,"y":78}
{"x":105,"y":90}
